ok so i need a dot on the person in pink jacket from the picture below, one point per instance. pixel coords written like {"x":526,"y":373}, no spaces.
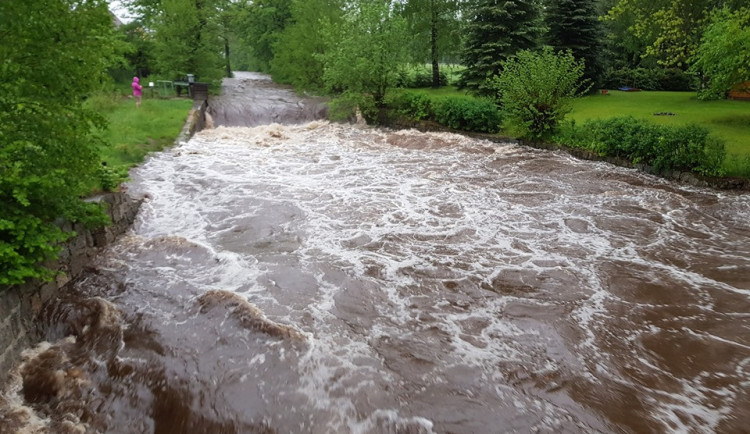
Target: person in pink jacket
{"x":137,"y":91}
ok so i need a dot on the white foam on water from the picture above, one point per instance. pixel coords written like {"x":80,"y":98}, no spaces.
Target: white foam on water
{"x":396,"y":213}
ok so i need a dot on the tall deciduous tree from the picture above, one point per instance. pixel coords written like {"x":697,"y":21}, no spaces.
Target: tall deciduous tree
{"x":669,"y":29}
{"x":495,"y":31}
{"x":366,"y":51}
{"x":574,"y":25}
{"x":140,"y":56}
{"x":54,"y":53}
{"x":434,"y":27}
{"x":300,"y":49}
{"x":260,"y":24}
{"x":723,"y":57}
{"x":186,"y":36}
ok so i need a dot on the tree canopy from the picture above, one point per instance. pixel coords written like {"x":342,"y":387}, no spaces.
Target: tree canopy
{"x":494,"y":32}
{"x":723,"y":56}
{"x":365,"y":51}
{"x":574,"y":25}
{"x":54,"y":54}
{"x":186,"y":36}
{"x":434,"y":26}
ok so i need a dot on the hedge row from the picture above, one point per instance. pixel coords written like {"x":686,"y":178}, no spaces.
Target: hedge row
{"x":459,"y":113}
{"x":665,"y":148}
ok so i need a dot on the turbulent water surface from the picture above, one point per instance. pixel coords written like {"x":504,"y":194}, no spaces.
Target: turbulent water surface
{"x":324,"y":278}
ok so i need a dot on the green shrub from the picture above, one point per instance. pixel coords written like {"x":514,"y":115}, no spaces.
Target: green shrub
{"x":467,"y":114}
{"x":414,"y":105}
{"x":458,"y":112}
{"x":109,"y":179}
{"x":423,"y":78}
{"x":536,"y":89}
{"x":685,"y":148}
{"x":723,"y":57}
{"x":342,"y":108}
{"x":418,"y":78}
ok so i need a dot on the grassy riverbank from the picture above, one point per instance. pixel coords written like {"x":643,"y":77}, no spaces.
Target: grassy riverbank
{"x":726,"y":120}
{"x":135,"y":132}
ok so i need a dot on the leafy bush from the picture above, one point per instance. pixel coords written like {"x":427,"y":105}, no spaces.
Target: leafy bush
{"x":342,"y":108}
{"x":423,"y":78}
{"x":468,"y":114}
{"x":670,"y":79}
{"x":414,"y":105}
{"x":460,"y":113}
{"x":108,"y":178}
{"x":419,"y":78}
{"x":535,"y":90}
{"x":686,"y":148}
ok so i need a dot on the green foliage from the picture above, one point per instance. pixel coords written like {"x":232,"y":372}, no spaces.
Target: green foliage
{"x":726,"y":119}
{"x":419,"y":77}
{"x":671,"y":79}
{"x":140,"y":57}
{"x":464,"y":113}
{"x":574,"y":25}
{"x":668,"y":30}
{"x":299,"y":52}
{"x":186,"y":37}
{"x":724,"y":54}
{"x":53,"y":54}
{"x":536,"y":89}
{"x":366,"y":51}
{"x":108,"y":178}
{"x":684,"y":148}
{"x":414,"y":105}
{"x":344,"y":107}
{"x":434,"y":27}
{"x":495,"y":31}
{"x":480,"y":115}
{"x":260,"y":24}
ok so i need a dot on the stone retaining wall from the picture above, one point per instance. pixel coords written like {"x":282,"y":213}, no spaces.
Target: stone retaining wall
{"x":196,"y":121}
{"x":20,"y":304}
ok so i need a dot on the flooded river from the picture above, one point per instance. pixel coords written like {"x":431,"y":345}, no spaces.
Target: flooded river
{"x":327,"y":278}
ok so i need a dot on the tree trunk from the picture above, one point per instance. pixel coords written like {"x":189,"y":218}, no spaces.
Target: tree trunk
{"x":226,"y":57}
{"x":433,"y":45}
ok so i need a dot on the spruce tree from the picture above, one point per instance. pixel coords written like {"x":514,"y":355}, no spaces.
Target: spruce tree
{"x":495,"y":31}
{"x":574,"y":25}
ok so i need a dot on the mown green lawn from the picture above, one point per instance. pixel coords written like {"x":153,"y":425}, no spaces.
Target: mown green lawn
{"x":134,"y":132}
{"x":728,"y":120}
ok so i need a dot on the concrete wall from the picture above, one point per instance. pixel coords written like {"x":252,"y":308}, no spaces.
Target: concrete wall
{"x":20,"y":304}
{"x":196,"y":121}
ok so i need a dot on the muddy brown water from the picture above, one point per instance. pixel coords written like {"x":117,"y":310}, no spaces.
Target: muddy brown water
{"x":324,"y":278}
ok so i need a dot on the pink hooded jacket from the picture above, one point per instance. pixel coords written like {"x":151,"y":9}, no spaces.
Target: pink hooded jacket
{"x":136,"y":87}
